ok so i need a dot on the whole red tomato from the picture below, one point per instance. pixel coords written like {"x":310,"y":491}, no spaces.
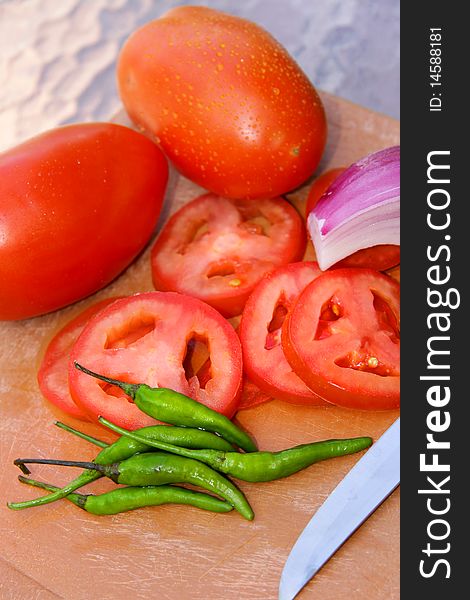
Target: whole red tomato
{"x":224,"y":100}
{"x":78,"y":204}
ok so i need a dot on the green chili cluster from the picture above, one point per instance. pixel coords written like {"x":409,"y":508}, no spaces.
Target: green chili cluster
{"x":198,"y":448}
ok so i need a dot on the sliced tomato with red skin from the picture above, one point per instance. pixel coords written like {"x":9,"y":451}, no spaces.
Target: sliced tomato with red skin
{"x":380,"y":257}
{"x":342,"y":337}
{"x":260,"y":333}
{"x":53,"y":373}
{"x":146,"y":338}
{"x":252,"y":396}
{"x":217,"y":249}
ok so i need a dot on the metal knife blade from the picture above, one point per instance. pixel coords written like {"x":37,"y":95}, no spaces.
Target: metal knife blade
{"x":365,"y":487}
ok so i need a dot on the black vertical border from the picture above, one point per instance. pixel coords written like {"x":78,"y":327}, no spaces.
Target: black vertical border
{"x":423,"y":131}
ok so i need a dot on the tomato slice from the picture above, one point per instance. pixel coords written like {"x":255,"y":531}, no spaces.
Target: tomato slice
{"x":53,"y":371}
{"x":150,"y":338}
{"x":217,"y":249}
{"x":342,"y":337}
{"x":381,"y":257}
{"x":252,"y":396}
{"x":260,"y":333}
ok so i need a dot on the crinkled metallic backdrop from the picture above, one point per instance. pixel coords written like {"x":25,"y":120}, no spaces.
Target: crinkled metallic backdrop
{"x":57,"y":58}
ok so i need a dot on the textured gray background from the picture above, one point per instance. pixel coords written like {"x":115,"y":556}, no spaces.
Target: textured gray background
{"x":57,"y":57}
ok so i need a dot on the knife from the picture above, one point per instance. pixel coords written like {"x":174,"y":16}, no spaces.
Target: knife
{"x":365,"y":487}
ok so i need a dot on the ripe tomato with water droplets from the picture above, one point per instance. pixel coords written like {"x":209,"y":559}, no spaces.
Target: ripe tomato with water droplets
{"x":224,"y":100}
{"x":77,"y":205}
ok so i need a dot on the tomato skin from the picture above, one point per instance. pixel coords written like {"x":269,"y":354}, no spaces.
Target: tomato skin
{"x":354,"y":317}
{"x":264,"y":361}
{"x":381,"y":257}
{"x":144,"y":339}
{"x":252,"y":396}
{"x":78,"y":204}
{"x":53,"y":371}
{"x":224,"y":100}
{"x":243,"y":240}
{"x":319,"y":187}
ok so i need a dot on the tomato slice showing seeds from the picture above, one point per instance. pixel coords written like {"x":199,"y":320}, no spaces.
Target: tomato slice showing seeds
{"x":342,"y":337}
{"x":157,"y":338}
{"x":217,"y":249}
{"x":260,"y":333}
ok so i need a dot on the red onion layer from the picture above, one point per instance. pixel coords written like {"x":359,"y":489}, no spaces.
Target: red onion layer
{"x":360,"y":209}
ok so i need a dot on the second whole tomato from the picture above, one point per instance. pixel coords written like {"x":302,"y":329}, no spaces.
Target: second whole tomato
{"x":78,"y":203}
{"x":225,"y":101}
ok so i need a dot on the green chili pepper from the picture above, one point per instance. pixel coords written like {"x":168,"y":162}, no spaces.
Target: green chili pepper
{"x":125,"y":448}
{"x":129,"y":498}
{"x":159,"y":468}
{"x":171,"y":434}
{"x":261,"y":466}
{"x":177,"y":409}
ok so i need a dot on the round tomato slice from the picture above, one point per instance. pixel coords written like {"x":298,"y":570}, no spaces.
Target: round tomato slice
{"x":53,"y":374}
{"x":342,"y":337}
{"x":217,"y":249}
{"x":149,"y":338}
{"x":260,"y":333}
{"x":381,"y":257}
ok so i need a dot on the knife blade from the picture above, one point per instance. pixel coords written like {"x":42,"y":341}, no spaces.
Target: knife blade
{"x":363,"y":489}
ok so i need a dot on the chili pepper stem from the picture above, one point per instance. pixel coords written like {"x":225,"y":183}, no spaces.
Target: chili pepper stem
{"x":22,"y":467}
{"x":75,"y":497}
{"x":20,"y":462}
{"x":82,"y":435}
{"x":128,"y":388}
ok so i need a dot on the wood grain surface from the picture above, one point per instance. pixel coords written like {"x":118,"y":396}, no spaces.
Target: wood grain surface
{"x":179,"y":553}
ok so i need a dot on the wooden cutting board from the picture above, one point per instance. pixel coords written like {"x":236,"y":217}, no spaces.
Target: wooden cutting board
{"x":179,"y":553}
